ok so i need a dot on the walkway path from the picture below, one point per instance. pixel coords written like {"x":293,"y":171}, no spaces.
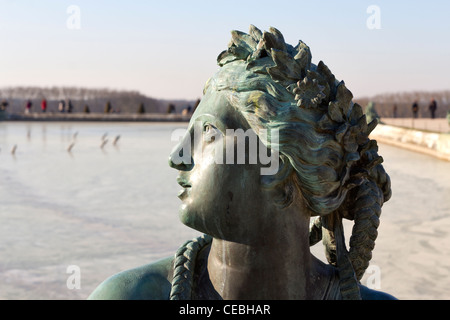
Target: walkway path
{"x":436,"y":125}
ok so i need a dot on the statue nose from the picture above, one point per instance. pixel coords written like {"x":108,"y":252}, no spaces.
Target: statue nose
{"x":180,"y":159}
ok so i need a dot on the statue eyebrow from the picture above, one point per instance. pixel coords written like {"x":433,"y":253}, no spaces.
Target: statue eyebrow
{"x":209,"y":118}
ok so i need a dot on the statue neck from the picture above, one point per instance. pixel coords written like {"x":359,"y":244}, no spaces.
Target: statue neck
{"x":280,"y":266}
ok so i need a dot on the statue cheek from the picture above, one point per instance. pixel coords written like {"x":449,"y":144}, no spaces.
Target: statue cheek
{"x":229,"y":206}
{"x":230,"y":197}
{"x":206,"y":211}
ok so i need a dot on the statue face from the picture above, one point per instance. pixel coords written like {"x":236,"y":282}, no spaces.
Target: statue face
{"x":220,"y":196}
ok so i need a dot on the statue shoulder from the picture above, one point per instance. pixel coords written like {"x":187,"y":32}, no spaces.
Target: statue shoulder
{"x":370,"y":294}
{"x":148,"y":282}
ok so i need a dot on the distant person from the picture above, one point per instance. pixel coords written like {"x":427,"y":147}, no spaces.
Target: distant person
{"x":69,"y":106}
{"x":108,"y":107}
{"x":432,"y":107}
{"x":186,"y":111}
{"x":415,"y":109}
{"x":395,"y":111}
{"x":28,"y":107}
{"x":171,"y":108}
{"x":3,"y":105}
{"x":86,"y":109}
{"x":141,"y":109}
{"x":61,"y":106}
{"x":44,"y":105}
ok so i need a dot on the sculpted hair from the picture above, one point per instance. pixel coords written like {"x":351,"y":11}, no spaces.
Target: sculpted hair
{"x":324,"y":144}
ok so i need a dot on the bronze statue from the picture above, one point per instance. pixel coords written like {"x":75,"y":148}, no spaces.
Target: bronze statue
{"x":259,"y":227}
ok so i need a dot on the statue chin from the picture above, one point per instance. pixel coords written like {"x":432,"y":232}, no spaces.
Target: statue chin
{"x":186,"y":217}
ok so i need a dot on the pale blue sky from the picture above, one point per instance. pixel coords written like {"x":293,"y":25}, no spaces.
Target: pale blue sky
{"x":168,"y":49}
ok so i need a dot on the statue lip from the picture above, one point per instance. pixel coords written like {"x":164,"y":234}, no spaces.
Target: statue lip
{"x":183,"y":182}
{"x":186,"y":187}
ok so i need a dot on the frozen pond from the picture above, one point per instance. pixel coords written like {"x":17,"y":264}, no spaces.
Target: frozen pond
{"x":113,"y":208}
{"x":101,"y":209}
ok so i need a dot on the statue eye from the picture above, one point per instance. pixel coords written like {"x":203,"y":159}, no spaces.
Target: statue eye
{"x":207,"y":128}
{"x":210,"y":132}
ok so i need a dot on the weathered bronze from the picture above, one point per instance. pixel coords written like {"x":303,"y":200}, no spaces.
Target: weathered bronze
{"x":259,"y":227}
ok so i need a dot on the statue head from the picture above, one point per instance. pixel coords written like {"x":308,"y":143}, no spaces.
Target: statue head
{"x":320,"y":138}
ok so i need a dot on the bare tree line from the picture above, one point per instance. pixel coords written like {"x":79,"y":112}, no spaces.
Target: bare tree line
{"x":87,"y":99}
{"x":135,"y":102}
{"x":384,"y":103}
